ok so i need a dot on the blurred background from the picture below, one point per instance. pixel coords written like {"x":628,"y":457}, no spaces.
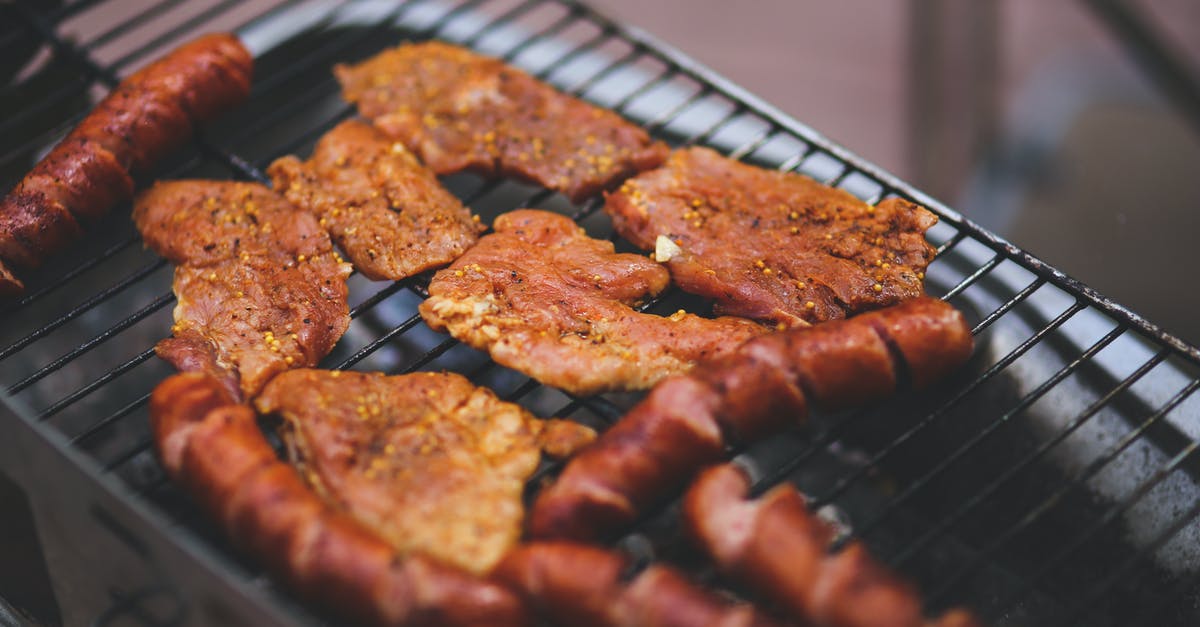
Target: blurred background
{"x":1070,"y":128}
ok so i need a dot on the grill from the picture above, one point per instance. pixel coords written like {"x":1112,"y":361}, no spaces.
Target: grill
{"x":1052,"y":481}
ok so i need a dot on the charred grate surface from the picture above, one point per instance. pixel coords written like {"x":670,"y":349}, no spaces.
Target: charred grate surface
{"x":1053,"y":481}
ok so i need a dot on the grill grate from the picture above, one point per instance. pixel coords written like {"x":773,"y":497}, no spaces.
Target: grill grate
{"x":1051,"y":482}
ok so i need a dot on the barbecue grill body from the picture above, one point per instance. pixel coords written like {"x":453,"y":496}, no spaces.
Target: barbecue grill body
{"x":1052,"y":480}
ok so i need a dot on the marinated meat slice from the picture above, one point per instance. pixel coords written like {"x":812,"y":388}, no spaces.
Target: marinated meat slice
{"x":215,"y":450}
{"x":773,"y":245}
{"x":383,"y":208}
{"x":431,"y":463}
{"x":256,"y":318}
{"x":201,"y":223}
{"x":462,"y":111}
{"x":259,"y":287}
{"x":545,"y":299}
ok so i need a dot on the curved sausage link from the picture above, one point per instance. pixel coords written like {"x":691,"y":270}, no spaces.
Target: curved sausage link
{"x":217,"y":452}
{"x":576,"y":584}
{"x":146,"y":117}
{"x":779,"y":549}
{"x":764,"y":386}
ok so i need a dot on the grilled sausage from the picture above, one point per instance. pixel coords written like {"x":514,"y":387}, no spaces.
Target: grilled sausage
{"x":778,"y":548}
{"x":217,"y":452}
{"x":147,"y":116}
{"x":576,"y":584}
{"x":765,"y":385}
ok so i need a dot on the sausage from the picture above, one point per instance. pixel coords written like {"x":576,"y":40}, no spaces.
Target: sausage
{"x":146,"y":117}
{"x":761,"y":388}
{"x":576,"y":584}
{"x":217,"y":452}
{"x":778,"y":548}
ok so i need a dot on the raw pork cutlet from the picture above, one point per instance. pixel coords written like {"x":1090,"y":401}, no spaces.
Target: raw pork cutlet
{"x":545,"y":299}
{"x":772,"y":245}
{"x":259,"y":287}
{"x":430,"y":462}
{"x":462,"y":111}
{"x":381,"y":206}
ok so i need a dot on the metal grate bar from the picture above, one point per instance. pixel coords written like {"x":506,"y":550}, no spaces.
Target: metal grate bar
{"x":946,"y":522}
{"x":1034,"y":514}
{"x":946,"y":461}
{"x":1008,"y":305}
{"x":49,"y":100}
{"x":973,"y":277}
{"x":331,"y":48}
{"x":155,"y":305}
{"x":71,"y":398}
{"x":732,"y":106}
{"x":130,"y":280}
{"x":108,"y":75}
{"x":794,"y":162}
{"x":958,"y":237}
{"x":507,"y":17}
{"x":92,"y":262}
{"x":236,"y":164}
{"x":839,"y":430}
{"x":670,"y":114}
{"x":172,"y":34}
{"x":134,"y":22}
{"x":348,"y":110}
{"x":386,"y":337}
{"x":271,"y":13}
{"x":84,"y":307}
{"x":852,"y":477}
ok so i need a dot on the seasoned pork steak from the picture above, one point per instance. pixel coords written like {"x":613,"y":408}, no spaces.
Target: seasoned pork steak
{"x":545,"y":299}
{"x":259,"y":286}
{"x":428,"y":461}
{"x":771,"y":245}
{"x":458,"y":110}
{"x":388,"y":213}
